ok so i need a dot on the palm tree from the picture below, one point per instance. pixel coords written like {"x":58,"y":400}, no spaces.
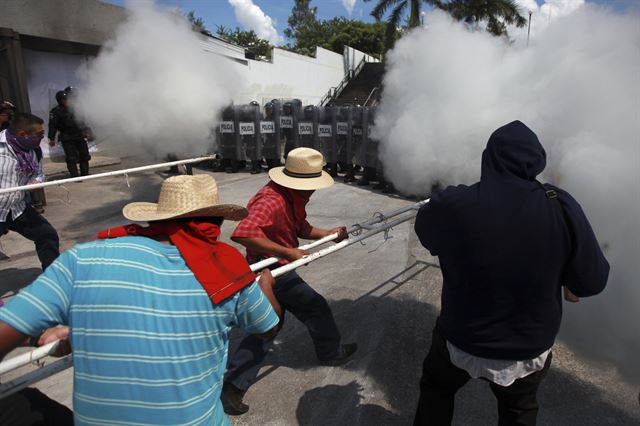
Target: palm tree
{"x":497,"y":13}
{"x":398,"y":8}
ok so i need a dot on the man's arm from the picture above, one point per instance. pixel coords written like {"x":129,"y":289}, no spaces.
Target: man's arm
{"x":10,"y":338}
{"x":266,"y":281}
{"x":313,"y":233}
{"x":53,"y":128}
{"x":266,"y":247}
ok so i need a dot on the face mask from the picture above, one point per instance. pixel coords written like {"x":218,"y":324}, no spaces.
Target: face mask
{"x":29,"y":142}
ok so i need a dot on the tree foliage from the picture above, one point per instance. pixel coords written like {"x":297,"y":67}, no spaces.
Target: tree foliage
{"x":496,"y":13}
{"x":305,"y":32}
{"x":256,"y":47}
{"x":197,"y":23}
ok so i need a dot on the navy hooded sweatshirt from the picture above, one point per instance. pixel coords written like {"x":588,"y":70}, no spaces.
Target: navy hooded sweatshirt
{"x":506,"y":251}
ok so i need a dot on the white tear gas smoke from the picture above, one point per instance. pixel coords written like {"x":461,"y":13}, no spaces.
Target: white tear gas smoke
{"x":251,"y":17}
{"x":577,"y":87}
{"x":153,"y":87}
{"x":349,"y":5}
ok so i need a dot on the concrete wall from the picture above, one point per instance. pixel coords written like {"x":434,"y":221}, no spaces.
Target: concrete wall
{"x":293,"y":76}
{"x":80,"y":21}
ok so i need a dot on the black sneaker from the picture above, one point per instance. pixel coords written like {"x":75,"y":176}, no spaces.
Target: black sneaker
{"x":344,"y":353}
{"x":231,"y":398}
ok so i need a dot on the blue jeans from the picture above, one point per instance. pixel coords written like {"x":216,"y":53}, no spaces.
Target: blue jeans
{"x":309,"y":307}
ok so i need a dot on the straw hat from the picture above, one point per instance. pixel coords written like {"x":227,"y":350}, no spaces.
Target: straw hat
{"x":302,"y":170}
{"x":185,"y":196}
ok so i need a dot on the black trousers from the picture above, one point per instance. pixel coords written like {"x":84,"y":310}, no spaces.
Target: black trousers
{"x":517,"y":403}
{"x":76,"y":151}
{"x":33,"y":226}
{"x":309,"y":307}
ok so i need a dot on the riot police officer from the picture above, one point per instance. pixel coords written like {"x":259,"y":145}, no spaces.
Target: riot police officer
{"x":286,"y":127}
{"x":270,"y":132}
{"x":249,"y":122}
{"x":73,"y":135}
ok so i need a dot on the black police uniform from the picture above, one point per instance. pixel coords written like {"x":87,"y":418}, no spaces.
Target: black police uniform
{"x":73,"y":138}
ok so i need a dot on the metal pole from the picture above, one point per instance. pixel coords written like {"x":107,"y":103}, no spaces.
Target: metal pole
{"x":106,"y":174}
{"x":529,"y":28}
{"x":272,"y":260}
{"x":369,"y":226}
{"x":28,"y":358}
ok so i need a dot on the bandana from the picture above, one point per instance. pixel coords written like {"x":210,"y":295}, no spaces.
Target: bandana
{"x":219,"y":268}
{"x":298,"y":199}
{"x":23,"y":147}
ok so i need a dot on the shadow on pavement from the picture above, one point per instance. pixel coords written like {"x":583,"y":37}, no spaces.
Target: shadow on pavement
{"x":343,"y":401}
{"x":393,"y":332}
{"x":13,"y":280}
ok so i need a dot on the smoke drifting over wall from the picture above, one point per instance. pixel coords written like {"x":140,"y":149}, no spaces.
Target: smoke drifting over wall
{"x":153,"y":88}
{"x":577,"y":87}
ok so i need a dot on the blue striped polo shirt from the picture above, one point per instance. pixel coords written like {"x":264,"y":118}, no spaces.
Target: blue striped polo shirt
{"x":149,"y":347}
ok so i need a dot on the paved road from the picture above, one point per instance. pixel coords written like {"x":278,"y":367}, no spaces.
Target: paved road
{"x":385,"y":296}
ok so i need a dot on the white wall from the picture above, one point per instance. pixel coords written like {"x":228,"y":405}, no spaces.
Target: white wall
{"x":290,"y":75}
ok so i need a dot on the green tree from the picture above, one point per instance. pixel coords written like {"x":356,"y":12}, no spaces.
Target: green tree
{"x":256,"y":47}
{"x":197,"y":23}
{"x":302,"y":19}
{"x":398,"y":9}
{"x":497,"y":13}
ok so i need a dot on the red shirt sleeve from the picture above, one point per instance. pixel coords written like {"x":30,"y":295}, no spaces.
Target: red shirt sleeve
{"x":251,"y":226}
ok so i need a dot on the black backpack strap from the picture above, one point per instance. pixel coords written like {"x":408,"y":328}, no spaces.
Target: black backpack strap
{"x":553,"y":196}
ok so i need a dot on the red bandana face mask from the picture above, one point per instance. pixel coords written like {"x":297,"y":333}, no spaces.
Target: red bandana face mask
{"x":219,"y":268}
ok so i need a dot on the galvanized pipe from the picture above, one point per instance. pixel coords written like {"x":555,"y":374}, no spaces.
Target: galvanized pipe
{"x":106,"y":174}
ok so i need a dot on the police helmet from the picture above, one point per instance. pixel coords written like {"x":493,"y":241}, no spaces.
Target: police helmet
{"x":61,"y":96}
{"x":287,"y":108}
{"x":308,"y":111}
{"x":254,"y":103}
{"x":268,"y":107}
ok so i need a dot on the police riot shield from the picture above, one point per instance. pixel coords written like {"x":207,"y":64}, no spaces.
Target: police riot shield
{"x":288,"y":122}
{"x":358,"y":128}
{"x":370,"y":149}
{"x":326,"y":133}
{"x":343,"y":137}
{"x":248,"y":130}
{"x":270,"y":133}
{"x":307,"y":124}
{"x":228,"y":135}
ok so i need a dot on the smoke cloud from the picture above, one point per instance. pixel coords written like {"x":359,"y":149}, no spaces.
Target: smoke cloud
{"x":153,"y":87}
{"x":576,"y":86}
{"x":251,"y":17}
{"x":349,"y":5}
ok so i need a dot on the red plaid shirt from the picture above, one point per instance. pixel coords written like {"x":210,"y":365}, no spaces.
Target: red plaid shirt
{"x":272,"y":216}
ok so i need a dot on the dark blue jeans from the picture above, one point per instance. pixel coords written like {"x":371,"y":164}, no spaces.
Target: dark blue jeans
{"x":33,"y":226}
{"x":309,"y":307}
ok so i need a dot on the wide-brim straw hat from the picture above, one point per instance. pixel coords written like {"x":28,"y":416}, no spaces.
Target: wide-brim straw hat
{"x":302,"y":170}
{"x":185,"y":196}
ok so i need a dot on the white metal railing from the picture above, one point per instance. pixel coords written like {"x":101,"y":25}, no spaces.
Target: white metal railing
{"x":106,"y":174}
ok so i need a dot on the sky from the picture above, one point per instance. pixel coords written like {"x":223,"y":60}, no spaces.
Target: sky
{"x":269,"y":17}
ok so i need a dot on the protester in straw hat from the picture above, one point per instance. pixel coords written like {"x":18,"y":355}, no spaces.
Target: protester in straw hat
{"x":277,"y":218}
{"x":149,"y":310}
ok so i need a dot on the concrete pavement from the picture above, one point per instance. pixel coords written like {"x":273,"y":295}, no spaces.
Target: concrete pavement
{"x":385,"y":296}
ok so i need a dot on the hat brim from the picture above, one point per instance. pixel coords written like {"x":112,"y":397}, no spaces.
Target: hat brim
{"x":148,"y":212}
{"x":304,"y":184}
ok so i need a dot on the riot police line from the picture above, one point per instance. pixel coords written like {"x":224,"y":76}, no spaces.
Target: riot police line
{"x":247,"y":135}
